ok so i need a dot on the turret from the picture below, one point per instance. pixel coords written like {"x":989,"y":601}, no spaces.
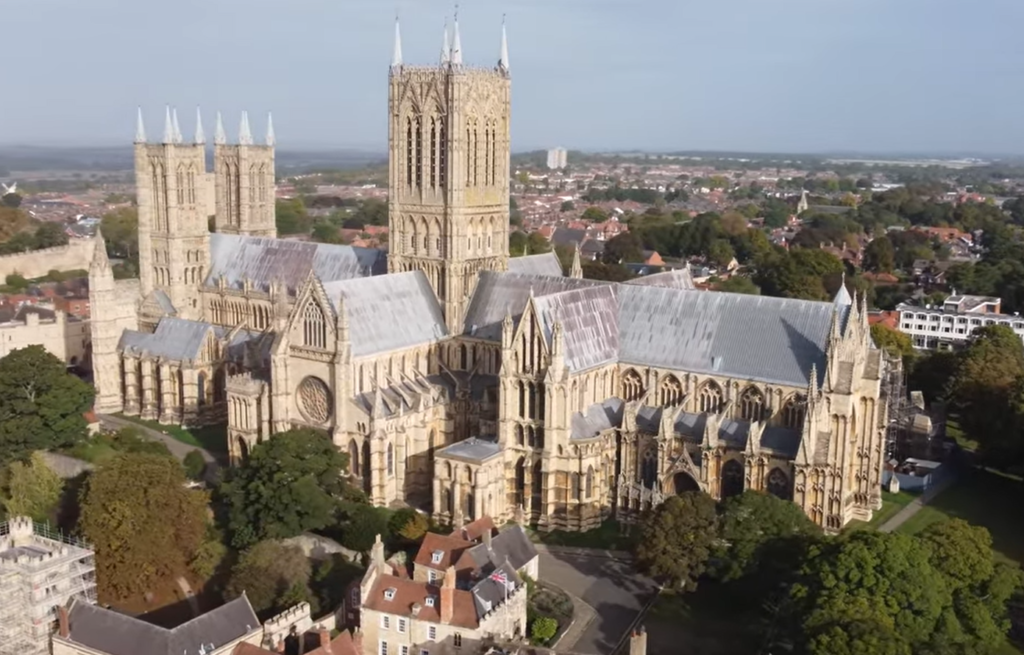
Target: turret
{"x":577,"y":266}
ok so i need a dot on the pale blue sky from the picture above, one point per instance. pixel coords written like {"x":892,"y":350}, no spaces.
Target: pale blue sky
{"x":763,"y":75}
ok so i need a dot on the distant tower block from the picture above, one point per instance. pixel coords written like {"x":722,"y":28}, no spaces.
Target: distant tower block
{"x":557,"y":158}
{"x":449,"y":171}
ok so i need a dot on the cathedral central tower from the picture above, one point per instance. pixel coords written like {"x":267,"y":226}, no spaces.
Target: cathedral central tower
{"x":448,"y":141}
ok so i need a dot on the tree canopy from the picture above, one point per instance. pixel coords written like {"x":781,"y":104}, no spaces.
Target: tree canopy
{"x":291,"y":483}
{"x":42,"y":406}
{"x":143,"y":522}
{"x":676,"y":538}
{"x":757,"y":530}
{"x":272,"y":575}
{"x":33,"y":489}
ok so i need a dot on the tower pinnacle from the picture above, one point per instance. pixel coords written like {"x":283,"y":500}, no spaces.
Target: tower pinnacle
{"x":396,"y":55}
{"x":503,"y":57}
{"x":446,"y":47}
{"x":456,"y":56}
{"x":219,"y":137}
{"x":271,"y":137}
{"x":168,"y":126}
{"x":244,"y":133}
{"x":140,"y":129}
{"x":177,"y":128}
{"x":200,"y":134}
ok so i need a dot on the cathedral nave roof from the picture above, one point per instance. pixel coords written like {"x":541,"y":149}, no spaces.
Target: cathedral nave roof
{"x":543,"y":264}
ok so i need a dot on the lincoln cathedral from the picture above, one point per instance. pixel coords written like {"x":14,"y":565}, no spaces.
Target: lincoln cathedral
{"x":460,"y":380}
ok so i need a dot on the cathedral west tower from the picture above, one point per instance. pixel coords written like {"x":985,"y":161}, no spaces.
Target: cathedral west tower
{"x":174,"y":237}
{"x":244,"y":182}
{"x":448,"y":140}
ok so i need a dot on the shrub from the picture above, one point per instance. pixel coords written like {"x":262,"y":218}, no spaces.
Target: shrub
{"x":195,"y":465}
{"x":543,"y":629}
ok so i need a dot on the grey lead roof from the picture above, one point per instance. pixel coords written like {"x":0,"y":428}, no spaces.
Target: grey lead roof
{"x":544,"y":264}
{"x":499,"y":293}
{"x":597,"y":419}
{"x":107,"y":631}
{"x":589,"y":324}
{"x":174,"y":338}
{"x":679,"y":278}
{"x":264,"y":261}
{"x":389,"y":312}
{"x":473,"y":449}
{"x":511,"y":546}
{"x":749,"y":337}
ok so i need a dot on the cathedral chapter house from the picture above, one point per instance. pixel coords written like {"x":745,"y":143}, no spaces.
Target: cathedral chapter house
{"x":459,"y":380}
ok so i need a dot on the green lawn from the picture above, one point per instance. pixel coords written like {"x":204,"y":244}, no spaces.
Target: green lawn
{"x":891,"y":505}
{"x":981,"y":497}
{"x":608,"y":536}
{"x":212,"y":437}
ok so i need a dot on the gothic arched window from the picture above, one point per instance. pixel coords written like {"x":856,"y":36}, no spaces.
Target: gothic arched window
{"x":419,"y":151}
{"x":752,"y":405}
{"x":778,"y":484}
{"x":793,"y":412}
{"x":408,"y":151}
{"x":391,"y":459}
{"x":590,"y":483}
{"x":670,"y":392}
{"x":732,"y":478}
{"x":442,"y":155}
{"x":710,"y":398}
{"x":632,"y":386}
{"x":314,"y":326}
{"x":649,"y":467}
{"x":433,"y":153}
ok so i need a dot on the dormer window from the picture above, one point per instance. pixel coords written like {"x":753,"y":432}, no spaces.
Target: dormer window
{"x":429,"y":601}
{"x":389,"y":593}
{"x":436,"y":556}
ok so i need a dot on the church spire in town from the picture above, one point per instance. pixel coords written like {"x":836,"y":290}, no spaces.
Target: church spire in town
{"x":168,"y":126}
{"x":244,"y":133}
{"x":446,"y":46}
{"x":577,"y":266}
{"x":271,"y":137}
{"x":177,"y":128}
{"x":456,"y":56}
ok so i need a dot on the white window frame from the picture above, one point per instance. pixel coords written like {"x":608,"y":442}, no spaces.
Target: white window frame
{"x":382,"y":647}
{"x":401,"y":625}
{"x":385,"y":622}
{"x":432,"y":632}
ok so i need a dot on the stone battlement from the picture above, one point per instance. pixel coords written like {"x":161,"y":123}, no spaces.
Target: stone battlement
{"x":75,"y":256}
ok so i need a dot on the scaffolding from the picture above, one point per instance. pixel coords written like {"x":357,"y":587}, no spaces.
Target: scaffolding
{"x":898,"y":408}
{"x":41,"y":569}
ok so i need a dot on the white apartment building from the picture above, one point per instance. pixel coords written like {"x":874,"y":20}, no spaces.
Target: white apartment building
{"x":558,"y":158}
{"x":951,"y":324}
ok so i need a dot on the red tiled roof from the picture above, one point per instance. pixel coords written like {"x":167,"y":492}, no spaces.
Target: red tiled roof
{"x":409,"y":593}
{"x":476,"y":529}
{"x":450,"y":545}
{"x":888,"y":319}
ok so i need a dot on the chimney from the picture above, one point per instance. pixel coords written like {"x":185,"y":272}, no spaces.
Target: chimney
{"x":325,"y":640}
{"x":64,"y":627}
{"x":377,"y":555}
{"x":487,"y":538}
{"x":448,"y":595}
{"x":638,"y":642}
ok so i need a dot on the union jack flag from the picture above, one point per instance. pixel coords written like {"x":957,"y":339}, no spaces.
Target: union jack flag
{"x":499,"y":576}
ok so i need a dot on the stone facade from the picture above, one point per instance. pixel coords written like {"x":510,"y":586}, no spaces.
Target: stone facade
{"x":463,"y":382}
{"x":65,"y":337}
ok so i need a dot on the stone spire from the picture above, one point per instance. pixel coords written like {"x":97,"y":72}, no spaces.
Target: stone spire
{"x":503,"y":57}
{"x":456,"y":56}
{"x":446,"y":46}
{"x":168,"y":126}
{"x":177,"y":128}
{"x":100,"y":263}
{"x":271,"y":137}
{"x":842,"y":298}
{"x":577,"y":267}
{"x":200,"y":134}
{"x":219,"y":136}
{"x":804,"y":204}
{"x":244,"y":133}
{"x":140,"y":129}
{"x":396,"y":54}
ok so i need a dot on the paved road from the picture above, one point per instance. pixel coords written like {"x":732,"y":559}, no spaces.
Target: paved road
{"x":177,"y":448}
{"x":607,"y":584}
{"x":902,"y":516}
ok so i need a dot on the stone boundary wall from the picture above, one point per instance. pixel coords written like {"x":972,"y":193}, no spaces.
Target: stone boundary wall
{"x":77,"y":255}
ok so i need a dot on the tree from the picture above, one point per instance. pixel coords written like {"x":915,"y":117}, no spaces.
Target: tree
{"x":42,"y":406}
{"x":325,"y":233}
{"x":738,"y":284}
{"x":567,"y":206}
{"x":537,"y":244}
{"x":12,"y":200}
{"x":33,"y":489}
{"x":879,"y":255}
{"x":868,"y":578}
{"x":143,"y":522}
{"x":720,"y":253}
{"x":51,"y":235}
{"x":16,"y":281}
{"x":594,"y":215}
{"x":676,"y":538}
{"x":267,"y":572}
{"x":289,"y":484}
{"x":291,"y":217}
{"x":734,"y":223}
{"x":757,"y":531}
{"x":361,"y":525}
{"x":120,"y":229}
{"x":986,"y":374}
{"x":892,"y":341}
{"x":408,"y":526}
{"x":624,"y":248}
{"x":194,"y":464}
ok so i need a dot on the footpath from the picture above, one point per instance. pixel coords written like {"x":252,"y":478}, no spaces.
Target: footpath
{"x":177,"y":448}
{"x":915,"y":505}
